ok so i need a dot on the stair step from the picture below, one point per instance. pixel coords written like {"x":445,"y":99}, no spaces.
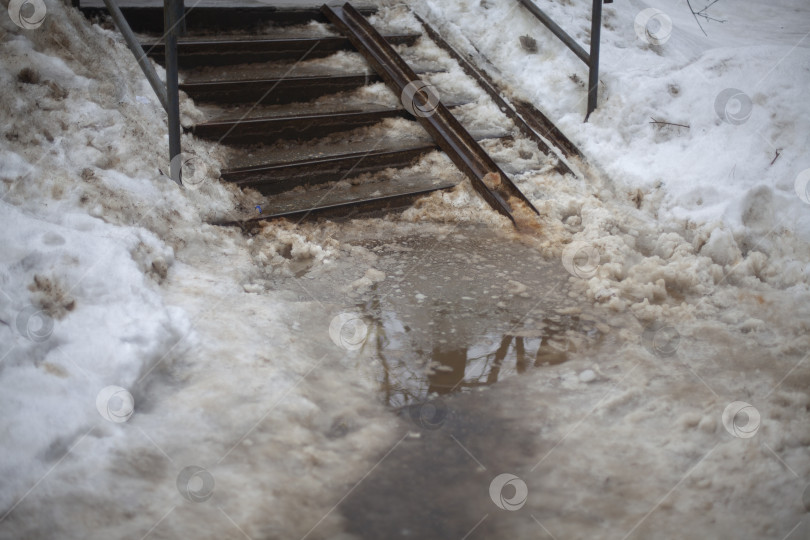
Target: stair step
{"x":304,"y":126}
{"x":407,"y":135}
{"x":213,"y":18}
{"x":194,"y":53}
{"x":269,"y":129}
{"x":273,"y":178}
{"x":351,"y":201}
{"x":275,"y":90}
{"x":277,"y":178}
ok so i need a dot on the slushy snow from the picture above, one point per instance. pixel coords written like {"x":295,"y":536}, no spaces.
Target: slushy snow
{"x":248,"y":420}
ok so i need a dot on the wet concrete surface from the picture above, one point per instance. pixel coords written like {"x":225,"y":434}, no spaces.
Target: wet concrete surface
{"x":433,"y":484}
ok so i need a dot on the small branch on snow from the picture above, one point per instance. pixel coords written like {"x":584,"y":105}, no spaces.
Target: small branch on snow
{"x":661,"y":123}
{"x":694,"y":14}
{"x":778,"y":153}
{"x":710,"y":18}
{"x":702,"y":13}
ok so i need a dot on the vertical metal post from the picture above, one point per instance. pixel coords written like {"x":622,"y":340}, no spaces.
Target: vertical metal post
{"x":593,"y":63}
{"x":181,"y":17}
{"x":170,"y":20}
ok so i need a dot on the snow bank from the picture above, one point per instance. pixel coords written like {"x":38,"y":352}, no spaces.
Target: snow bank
{"x":125,"y":376}
{"x":722,"y":170}
{"x":80,"y":305}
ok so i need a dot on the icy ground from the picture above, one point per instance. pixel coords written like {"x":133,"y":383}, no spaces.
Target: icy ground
{"x":165,"y":378}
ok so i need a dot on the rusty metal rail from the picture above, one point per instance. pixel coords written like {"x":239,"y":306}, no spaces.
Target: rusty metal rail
{"x":528,"y":120}
{"x":445,"y":129}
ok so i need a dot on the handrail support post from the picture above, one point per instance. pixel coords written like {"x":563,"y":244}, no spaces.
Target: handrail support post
{"x":593,"y":57}
{"x":171,"y":20}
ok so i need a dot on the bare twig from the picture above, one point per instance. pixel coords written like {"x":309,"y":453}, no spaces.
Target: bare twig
{"x":778,"y":153}
{"x":702,"y":13}
{"x":710,"y":18}
{"x":694,"y":14}
{"x":661,"y":123}
{"x":710,"y":4}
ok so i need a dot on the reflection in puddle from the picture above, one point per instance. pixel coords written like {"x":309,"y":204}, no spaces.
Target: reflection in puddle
{"x":412,"y":363}
{"x":458,"y":311}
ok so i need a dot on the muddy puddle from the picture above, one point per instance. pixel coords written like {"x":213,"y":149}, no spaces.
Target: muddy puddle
{"x":456,"y":321}
{"x":421,"y":347}
{"x":463,"y":311}
{"x":452,"y":313}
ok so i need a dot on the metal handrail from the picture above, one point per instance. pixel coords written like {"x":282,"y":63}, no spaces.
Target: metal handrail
{"x":168,"y":95}
{"x":135,"y":46}
{"x":592,"y":59}
{"x":173,"y":17}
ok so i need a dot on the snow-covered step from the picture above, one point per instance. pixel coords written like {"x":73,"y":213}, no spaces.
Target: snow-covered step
{"x":391,"y":134}
{"x":268,"y":129}
{"x":346,"y":200}
{"x":275,"y":89}
{"x":253,"y":130}
{"x":197,"y":52}
{"x":212,"y":17}
{"x":273,"y":178}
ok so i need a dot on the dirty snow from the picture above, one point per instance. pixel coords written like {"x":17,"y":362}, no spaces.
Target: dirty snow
{"x":251,"y":415}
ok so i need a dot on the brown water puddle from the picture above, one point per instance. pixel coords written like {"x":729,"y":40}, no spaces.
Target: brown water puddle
{"x":463,"y":311}
{"x":437,"y":366}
